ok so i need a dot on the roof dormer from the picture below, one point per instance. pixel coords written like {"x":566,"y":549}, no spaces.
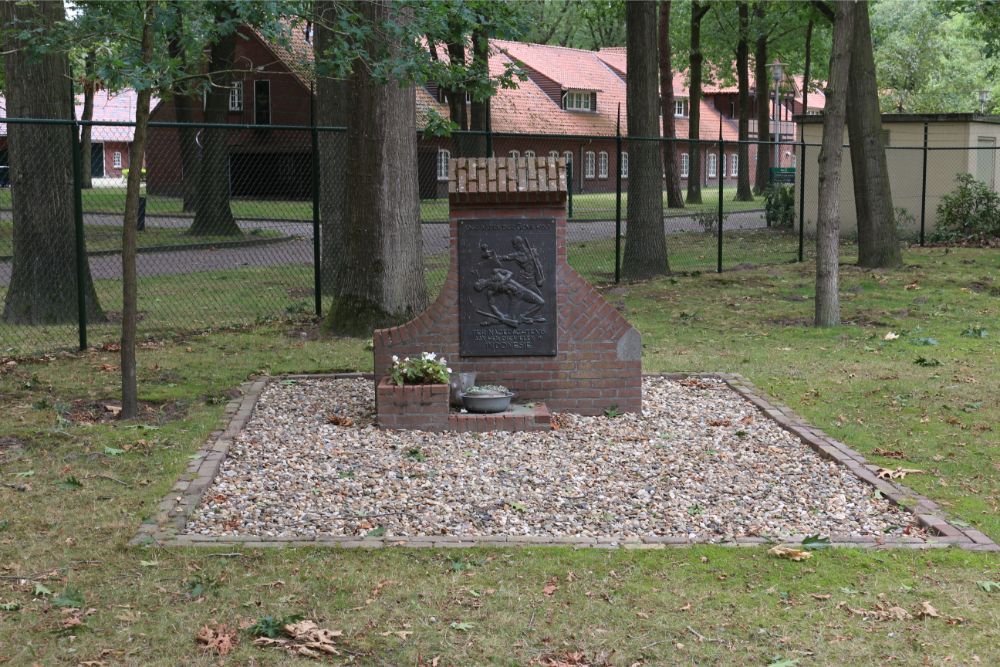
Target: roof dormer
{"x":579,"y":100}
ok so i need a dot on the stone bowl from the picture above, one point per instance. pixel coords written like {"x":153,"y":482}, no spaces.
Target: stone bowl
{"x":487,"y":403}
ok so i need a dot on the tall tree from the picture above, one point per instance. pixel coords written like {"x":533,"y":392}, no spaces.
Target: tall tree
{"x":213,"y":215}
{"x":186,"y":102}
{"x":383,"y":277}
{"x":743,"y":192}
{"x":479,"y":112}
{"x":645,"y":243}
{"x":675,"y":198}
{"x":762,"y":80}
{"x":878,"y":242}
{"x":89,"y":87}
{"x":43,"y":282}
{"x":696,"y":59}
{"x":828,"y":211}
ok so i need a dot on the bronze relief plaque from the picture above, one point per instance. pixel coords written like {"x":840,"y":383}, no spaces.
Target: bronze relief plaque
{"x":507,"y":287}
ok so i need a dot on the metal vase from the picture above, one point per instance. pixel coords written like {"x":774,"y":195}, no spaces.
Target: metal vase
{"x":459,"y":383}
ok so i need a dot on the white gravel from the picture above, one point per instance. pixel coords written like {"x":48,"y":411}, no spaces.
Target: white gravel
{"x":700,"y":463}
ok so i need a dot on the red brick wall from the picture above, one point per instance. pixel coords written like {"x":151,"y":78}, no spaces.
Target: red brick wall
{"x":598,"y":361}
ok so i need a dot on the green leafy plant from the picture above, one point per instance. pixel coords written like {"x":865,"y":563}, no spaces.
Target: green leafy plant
{"x":968,"y":214}
{"x":416,"y":454}
{"x":975,"y":332}
{"x":612,"y":412}
{"x":927,"y":362}
{"x":425,"y":369}
{"x":481,"y":389}
{"x":70,"y":483}
{"x":779,"y":205}
{"x":273,"y":627}
{"x":814,"y":542}
{"x":71,"y":597}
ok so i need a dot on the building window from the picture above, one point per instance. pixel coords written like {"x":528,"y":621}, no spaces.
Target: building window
{"x":116,"y":159}
{"x":624,"y":164}
{"x":723,"y":170}
{"x":577,"y":100}
{"x":734,"y":164}
{"x":602,"y":165}
{"x":681,"y":108}
{"x":712,"y":165}
{"x":443,"y":157}
{"x":514,"y":154}
{"x":685,"y":165}
{"x":569,"y":158}
{"x":554,"y":155}
{"x":529,"y":155}
{"x":588,"y":164}
{"x":236,"y":96}
{"x":262,"y":102}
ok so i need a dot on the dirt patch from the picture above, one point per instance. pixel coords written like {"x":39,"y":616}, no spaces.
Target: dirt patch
{"x":9,"y":445}
{"x":983,"y":285}
{"x":106,"y":411}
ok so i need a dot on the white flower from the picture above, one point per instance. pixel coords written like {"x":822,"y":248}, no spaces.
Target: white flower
{"x":448,"y":369}
{"x":406,"y":360}
{"x":395,"y":359}
{"x":444,"y":363}
{"x":430,"y":356}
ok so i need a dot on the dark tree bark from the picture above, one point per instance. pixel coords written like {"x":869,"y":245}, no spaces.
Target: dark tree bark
{"x":213,"y":216}
{"x":130,"y":315}
{"x":645,"y":252}
{"x":383,"y":280}
{"x":479,"y":111}
{"x":698,"y":11}
{"x":87,"y":171}
{"x":828,"y":210}
{"x":331,"y":111}
{"x":743,"y":192}
{"x":675,"y":198}
{"x":878,"y":242}
{"x":458,"y":110}
{"x":762,"y":82}
{"x":185,"y":105}
{"x":43,"y":284}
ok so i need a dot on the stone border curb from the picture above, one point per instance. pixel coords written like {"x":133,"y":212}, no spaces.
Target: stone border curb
{"x":165,"y":529}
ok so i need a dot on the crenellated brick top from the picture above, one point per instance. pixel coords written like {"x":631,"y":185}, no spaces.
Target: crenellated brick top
{"x":480,"y":180}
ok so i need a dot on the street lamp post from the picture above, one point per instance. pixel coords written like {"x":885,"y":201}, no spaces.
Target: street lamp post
{"x":776,"y":73}
{"x":984,"y":97}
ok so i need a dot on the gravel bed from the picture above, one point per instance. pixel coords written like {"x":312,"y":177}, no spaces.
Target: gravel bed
{"x":700,"y":462}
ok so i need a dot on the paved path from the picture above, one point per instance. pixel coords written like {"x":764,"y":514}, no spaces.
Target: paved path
{"x":298,"y":251}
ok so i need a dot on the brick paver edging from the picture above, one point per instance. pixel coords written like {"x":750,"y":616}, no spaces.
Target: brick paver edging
{"x":165,"y":529}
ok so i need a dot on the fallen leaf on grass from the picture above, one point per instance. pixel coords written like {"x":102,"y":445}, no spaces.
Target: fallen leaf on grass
{"x":890,"y":336}
{"x":402,"y":634}
{"x":339,"y":420}
{"x":461,"y":626}
{"x":686,"y":607}
{"x":927,"y":611}
{"x":791,"y":553}
{"x":889,"y":453}
{"x":898,"y":473}
{"x":820,"y":596}
{"x":217,"y":638}
{"x":989,"y":586}
{"x":551,"y":587}
{"x":880,"y":612}
{"x":567,"y":659}
{"x":304,"y":638}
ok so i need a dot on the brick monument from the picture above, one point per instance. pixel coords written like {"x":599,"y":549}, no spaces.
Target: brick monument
{"x":512,"y":309}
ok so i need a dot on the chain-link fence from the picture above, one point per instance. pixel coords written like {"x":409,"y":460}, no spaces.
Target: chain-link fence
{"x":230,"y":232}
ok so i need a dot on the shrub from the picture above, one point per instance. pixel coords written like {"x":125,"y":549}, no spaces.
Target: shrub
{"x":779,"y":205}
{"x":426,"y":369}
{"x":969,"y":214}
{"x":709,"y":220}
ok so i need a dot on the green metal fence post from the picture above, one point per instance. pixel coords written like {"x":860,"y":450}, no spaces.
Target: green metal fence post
{"x":618,"y":198}
{"x":802,"y":202}
{"x":317,"y":260}
{"x":923,"y":190}
{"x":81,"y":250}
{"x":722,"y":180}
{"x":569,"y":187}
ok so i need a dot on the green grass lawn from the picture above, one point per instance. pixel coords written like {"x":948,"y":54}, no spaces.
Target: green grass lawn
{"x":109,"y":237}
{"x":586,"y":207}
{"x":144,"y":606}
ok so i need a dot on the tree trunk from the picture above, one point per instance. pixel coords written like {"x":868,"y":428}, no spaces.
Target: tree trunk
{"x":185,"y":104}
{"x":808,"y":67}
{"x":645,"y":243}
{"x":743,"y":192}
{"x":698,"y":11}
{"x":457,"y":108}
{"x":383,"y":279}
{"x":878,"y":243}
{"x":480,"y":109}
{"x":331,"y":105}
{"x":87,"y":171}
{"x":213,"y":217}
{"x":130,"y":391}
{"x":762,"y":82}
{"x":675,"y":198}
{"x":43,"y":284}
{"x":828,"y":210}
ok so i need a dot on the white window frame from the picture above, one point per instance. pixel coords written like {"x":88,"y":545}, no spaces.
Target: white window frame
{"x":684,"y":106}
{"x":116,"y":159}
{"x":712,"y":166}
{"x":442,"y":164}
{"x":602,"y":164}
{"x":589,"y":164}
{"x":624,"y":164}
{"x":529,"y":155}
{"x":554,"y":155}
{"x":685,"y":165}
{"x":577,"y":100}
{"x":236,"y":96}
{"x":734,"y":164}
{"x":514,"y":154}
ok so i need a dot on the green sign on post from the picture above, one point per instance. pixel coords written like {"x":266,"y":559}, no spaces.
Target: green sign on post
{"x":782,"y":175}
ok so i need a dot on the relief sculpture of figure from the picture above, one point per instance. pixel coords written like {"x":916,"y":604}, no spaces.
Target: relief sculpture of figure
{"x":527,"y":260}
{"x":501,"y":283}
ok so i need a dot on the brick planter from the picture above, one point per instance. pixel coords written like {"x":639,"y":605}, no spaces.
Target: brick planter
{"x":412,"y":406}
